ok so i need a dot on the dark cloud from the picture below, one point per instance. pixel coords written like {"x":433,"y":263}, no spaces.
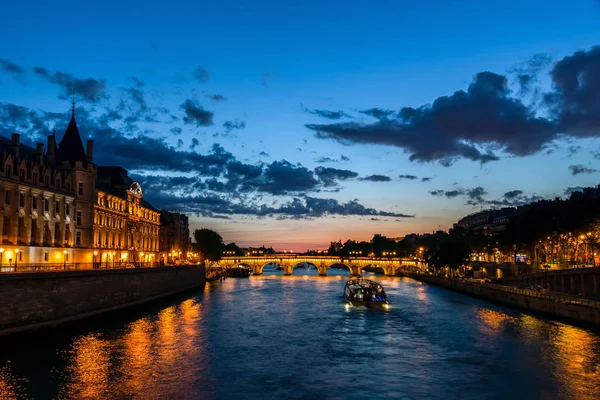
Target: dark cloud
{"x":264,"y":154}
{"x":233,"y":125}
{"x":409,"y":177}
{"x":376,"y":178}
{"x":344,"y":158}
{"x":454,"y":193}
{"x":202,"y":75}
{"x":327,"y":114}
{"x":437,"y":192}
{"x":475,"y":195}
{"x":580,"y":169}
{"x":513,"y":194}
{"x":426,"y":179}
{"x":266,"y":78}
{"x":378,"y":113}
{"x":330,"y":176}
{"x":466,"y":124}
{"x":13,"y":69}
{"x":176,"y":130}
{"x":216,"y":97}
{"x":282,"y":177}
{"x":196,"y":114}
{"x":195,"y":143}
{"x":574,"y":101}
{"x":90,"y":89}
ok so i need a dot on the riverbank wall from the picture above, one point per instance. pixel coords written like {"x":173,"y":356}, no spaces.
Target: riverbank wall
{"x":583,"y":282}
{"x":31,"y":301}
{"x":555,"y":306}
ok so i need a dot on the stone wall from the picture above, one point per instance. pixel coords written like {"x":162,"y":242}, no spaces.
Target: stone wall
{"x":582,"y":282}
{"x":572,"y":310}
{"x":34,"y":300}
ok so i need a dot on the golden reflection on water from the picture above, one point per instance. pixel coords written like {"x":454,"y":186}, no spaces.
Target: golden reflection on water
{"x":154,"y":358}
{"x":8,"y":386}
{"x":492,"y":321}
{"x":575,"y":353}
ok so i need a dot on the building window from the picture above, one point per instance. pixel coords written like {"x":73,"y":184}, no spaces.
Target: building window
{"x":21,"y":199}
{"x":45,"y":256}
{"x":7,"y":198}
{"x":78,"y":218}
{"x":34,"y":202}
{"x":80,"y":189}
{"x":46,"y":204}
{"x":78,"y":238}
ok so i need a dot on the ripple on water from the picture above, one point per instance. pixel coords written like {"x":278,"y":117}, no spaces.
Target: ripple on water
{"x":292,"y":337}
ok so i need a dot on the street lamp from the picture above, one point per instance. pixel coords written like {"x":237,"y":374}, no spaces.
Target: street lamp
{"x":16,"y":258}
{"x":1,"y":255}
{"x":64,"y":259}
{"x":94,"y":259}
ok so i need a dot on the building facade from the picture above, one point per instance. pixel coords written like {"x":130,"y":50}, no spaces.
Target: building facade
{"x":174,"y":237}
{"x":58,"y":207}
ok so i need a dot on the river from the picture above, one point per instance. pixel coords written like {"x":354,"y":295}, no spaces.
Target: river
{"x":292,"y":337}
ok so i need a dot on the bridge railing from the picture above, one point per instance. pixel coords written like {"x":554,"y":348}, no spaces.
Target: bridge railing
{"x":57,"y":267}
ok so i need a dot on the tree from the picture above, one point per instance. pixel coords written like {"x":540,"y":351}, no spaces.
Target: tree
{"x":209,"y":244}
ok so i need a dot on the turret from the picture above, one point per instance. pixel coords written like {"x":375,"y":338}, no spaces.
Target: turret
{"x":51,"y":149}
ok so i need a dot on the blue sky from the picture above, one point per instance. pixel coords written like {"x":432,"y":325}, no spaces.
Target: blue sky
{"x":272,"y":64}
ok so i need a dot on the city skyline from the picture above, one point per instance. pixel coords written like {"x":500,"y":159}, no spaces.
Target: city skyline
{"x":292,"y":141}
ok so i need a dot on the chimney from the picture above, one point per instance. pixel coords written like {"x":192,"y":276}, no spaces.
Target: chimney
{"x":90,"y":150}
{"x":51,"y":149}
{"x":39,"y":147}
{"x":15,"y":144}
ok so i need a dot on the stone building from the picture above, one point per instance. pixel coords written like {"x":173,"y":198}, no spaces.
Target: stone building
{"x":174,"y":236}
{"x":52,"y":212}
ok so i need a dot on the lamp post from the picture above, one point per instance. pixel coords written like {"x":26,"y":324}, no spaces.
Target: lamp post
{"x":64,"y":259}
{"x":1,"y":255}
{"x":142,"y":258}
{"x":94,"y":259}
{"x":16,"y":258}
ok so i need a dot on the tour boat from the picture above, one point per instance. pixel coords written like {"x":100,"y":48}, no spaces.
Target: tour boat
{"x":238,"y":272}
{"x":364,"y":292}
{"x":215,"y":273}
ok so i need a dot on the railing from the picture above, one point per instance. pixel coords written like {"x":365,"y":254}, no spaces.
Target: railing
{"x":57,"y":267}
{"x":541,"y":294}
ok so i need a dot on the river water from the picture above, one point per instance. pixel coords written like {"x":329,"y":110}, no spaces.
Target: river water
{"x":292,"y":337}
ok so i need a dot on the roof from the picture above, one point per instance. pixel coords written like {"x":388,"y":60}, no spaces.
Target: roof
{"x":70,"y":147}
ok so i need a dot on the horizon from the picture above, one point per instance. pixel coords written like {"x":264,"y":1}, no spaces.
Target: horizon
{"x":350,"y":121}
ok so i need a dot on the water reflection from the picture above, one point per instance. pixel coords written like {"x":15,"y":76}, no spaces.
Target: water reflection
{"x":271,"y":336}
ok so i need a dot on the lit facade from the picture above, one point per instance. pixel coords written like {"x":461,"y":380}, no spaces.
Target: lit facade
{"x":58,"y":207}
{"x":174,"y":236}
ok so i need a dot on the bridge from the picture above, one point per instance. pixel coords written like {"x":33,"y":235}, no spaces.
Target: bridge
{"x":289,"y":261}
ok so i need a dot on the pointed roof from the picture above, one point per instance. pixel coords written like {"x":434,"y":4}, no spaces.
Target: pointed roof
{"x":70,"y":147}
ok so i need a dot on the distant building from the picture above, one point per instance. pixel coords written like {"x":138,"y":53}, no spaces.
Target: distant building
{"x":174,"y":236}
{"x":488,"y":222}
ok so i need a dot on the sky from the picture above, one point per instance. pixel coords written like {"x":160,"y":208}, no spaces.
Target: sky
{"x":293,"y":124}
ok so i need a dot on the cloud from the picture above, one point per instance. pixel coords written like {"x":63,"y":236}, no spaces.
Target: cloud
{"x":234,"y":124}
{"x":467,"y":124}
{"x":202,"y":75}
{"x":16,"y":71}
{"x":378,"y":113}
{"x":138,"y":83}
{"x":266,"y":78}
{"x":409,"y":177}
{"x":195,"y":113}
{"x":264,"y":154}
{"x":438,"y":192}
{"x":176,"y":130}
{"x":513,"y":194}
{"x":344,"y":158}
{"x":570,"y":190}
{"x":90,"y":89}
{"x":477,"y":197}
{"x":580,"y":169}
{"x":426,"y":179}
{"x":327,"y":114}
{"x":376,"y":178}
{"x":322,"y":160}
{"x":216,"y":97}
{"x":330,"y":176}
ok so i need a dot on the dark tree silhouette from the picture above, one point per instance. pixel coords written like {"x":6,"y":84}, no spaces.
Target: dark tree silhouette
{"x":209,"y":244}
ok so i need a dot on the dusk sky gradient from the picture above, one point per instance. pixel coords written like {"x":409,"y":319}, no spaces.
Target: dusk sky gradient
{"x":293,"y":124}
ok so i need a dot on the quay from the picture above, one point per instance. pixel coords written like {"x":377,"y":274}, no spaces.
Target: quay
{"x":554,"y":305}
{"x":33,"y":300}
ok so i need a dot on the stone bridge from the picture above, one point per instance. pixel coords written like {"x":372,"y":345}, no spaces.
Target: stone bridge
{"x":289,"y":261}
